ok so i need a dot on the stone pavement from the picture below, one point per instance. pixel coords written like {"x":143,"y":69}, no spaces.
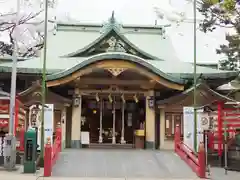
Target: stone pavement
{"x":219,"y":174}
{"x":113,"y":163}
{"x":18,"y":175}
{"x":159,"y":165}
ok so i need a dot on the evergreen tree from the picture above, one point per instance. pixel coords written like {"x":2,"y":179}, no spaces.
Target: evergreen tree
{"x":223,"y":14}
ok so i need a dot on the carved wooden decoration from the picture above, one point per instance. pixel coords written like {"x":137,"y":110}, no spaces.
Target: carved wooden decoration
{"x":116,"y":71}
{"x":37,"y":94}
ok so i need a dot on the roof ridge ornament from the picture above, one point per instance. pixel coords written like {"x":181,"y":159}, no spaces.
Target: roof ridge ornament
{"x":111,"y":24}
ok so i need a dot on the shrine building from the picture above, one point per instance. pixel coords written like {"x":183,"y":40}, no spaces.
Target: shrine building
{"x":108,"y":82}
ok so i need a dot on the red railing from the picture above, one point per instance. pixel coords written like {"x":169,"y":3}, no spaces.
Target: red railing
{"x":228,"y":121}
{"x":51,"y":153}
{"x":197,"y":162}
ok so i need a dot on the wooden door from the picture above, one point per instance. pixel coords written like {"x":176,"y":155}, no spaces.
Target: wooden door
{"x":171,"y":120}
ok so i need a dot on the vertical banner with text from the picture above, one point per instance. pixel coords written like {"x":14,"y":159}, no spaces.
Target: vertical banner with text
{"x":48,"y":122}
{"x":188,"y":122}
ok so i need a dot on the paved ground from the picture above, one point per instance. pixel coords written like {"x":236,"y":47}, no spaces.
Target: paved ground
{"x":118,"y":165}
{"x":121,"y":164}
{"x":219,"y":174}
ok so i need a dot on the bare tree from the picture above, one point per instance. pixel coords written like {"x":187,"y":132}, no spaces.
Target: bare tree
{"x":29,"y":31}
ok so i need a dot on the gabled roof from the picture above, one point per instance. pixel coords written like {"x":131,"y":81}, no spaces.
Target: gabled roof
{"x":203,"y":90}
{"x":122,"y":41}
{"x":34,"y":91}
{"x":113,"y":40}
{"x":151,"y":40}
{"x":117,"y":56}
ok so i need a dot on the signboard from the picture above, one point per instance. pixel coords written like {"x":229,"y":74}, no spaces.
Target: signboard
{"x":48,"y":125}
{"x":3,"y":123}
{"x":85,"y":137}
{"x":188,"y":122}
{"x":48,"y":122}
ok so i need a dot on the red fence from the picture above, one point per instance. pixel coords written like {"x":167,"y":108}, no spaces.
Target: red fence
{"x":227,"y":121}
{"x":51,"y":153}
{"x":197,"y":162}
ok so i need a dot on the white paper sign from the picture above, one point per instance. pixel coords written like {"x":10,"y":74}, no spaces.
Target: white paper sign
{"x":188,"y":122}
{"x":48,"y":122}
{"x":188,"y":129}
{"x":85,"y":137}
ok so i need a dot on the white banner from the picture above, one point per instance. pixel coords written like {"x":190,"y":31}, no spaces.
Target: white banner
{"x":48,"y":122}
{"x":188,"y":122}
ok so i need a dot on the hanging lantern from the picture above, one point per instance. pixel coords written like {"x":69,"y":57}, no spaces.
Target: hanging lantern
{"x":123,"y":99}
{"x":76,"y":102}
{"x":151,"y":103}
{"x":97,"y":97}
{"x":135,"y":98}
{"x":110,"y":98}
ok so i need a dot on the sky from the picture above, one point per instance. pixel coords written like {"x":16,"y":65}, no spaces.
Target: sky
{"x":141,"y":12}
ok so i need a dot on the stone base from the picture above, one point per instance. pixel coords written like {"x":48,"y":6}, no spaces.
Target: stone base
{"x":149,"y":145}
{"x":63,"y":144}
{"x":167,"y":145}
{"x":76,"y":144}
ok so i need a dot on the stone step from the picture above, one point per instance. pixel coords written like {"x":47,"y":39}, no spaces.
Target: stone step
{"x":110,"y":146}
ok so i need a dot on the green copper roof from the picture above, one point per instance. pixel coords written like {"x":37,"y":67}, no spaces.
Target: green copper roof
{"x":76,"y":38}
{"x":114,"y":33}
{"x":150,"y":42}
{"x":117,"y":56}
{"x":188,"y":92}
{"x":112,"y":23}
{"x":113,"y":30}
{"x":179,"y":69}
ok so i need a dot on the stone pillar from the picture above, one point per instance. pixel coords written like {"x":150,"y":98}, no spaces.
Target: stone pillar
{"x":162,"y":127}
{"x":76,"y":120}
{"x":63,"y":125}
{"x":150,"y":123}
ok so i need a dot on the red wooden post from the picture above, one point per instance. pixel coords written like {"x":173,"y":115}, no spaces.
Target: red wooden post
{"x":202,"y":161}
{"x":211,"y":140}
{"x":21,"y":138}
{"x":48,"y":159}
{"x":220,"y":135}
{"x":177,"y":138}
{"x":59,"y":135}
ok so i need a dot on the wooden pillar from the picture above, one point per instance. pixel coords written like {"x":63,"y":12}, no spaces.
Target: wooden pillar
{"x":100,"y":140}
{"x":63,"y":125}
{"x":76,"y":120}
{"x":220,"y":135}
{"x":114,"y":122}
{"x":150,"y":123}
{"x":162,"y":127}
{"x":123,"y":124}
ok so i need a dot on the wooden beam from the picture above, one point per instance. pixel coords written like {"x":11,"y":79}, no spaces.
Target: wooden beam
{"x":115,"y":64}
{"x":94,"y":91}
{"x":105,"y":81}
